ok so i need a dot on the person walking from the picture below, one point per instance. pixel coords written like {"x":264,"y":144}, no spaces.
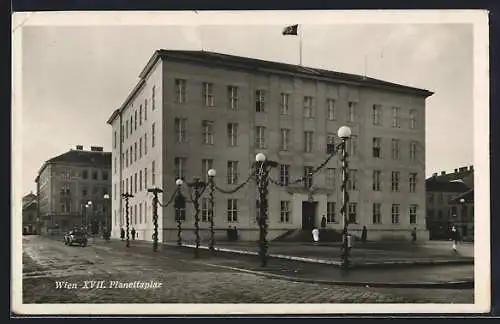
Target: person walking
{"x":315,"y":234}
{"x":133,"y":233}
{"x":414,"y":235}
{"x":122,"y":233}
{"x":454,"y":237}
{"x":364,"y":233}
{"x":323,"y":222}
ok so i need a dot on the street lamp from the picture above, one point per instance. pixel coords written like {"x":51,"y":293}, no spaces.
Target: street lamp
{"x":155,"y":192}
{"x":211,"y":175}
{"x":106,"y":209}
{"x":344,"y":133}
{"x":199,"y":186}
{"x":127,"y":196}
{"x":180,"y":204}
{"x":262,"y":168}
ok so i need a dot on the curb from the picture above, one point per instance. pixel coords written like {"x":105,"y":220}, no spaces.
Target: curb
{"x":336,"y":263}
{"x":428,"y":285}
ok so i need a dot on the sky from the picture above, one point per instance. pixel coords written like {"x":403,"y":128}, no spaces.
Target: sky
{"x":74,"y":77}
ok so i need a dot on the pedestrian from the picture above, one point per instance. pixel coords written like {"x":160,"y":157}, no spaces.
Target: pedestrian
{"x":235,"y":234}
{"x":364,"y":234}
{"x":133,"y":233}
{"x":414,"y":235}
{"x":454,"y":237}
{"x":315,"y":234}
{"x":122,"y":233}
{"x":323,"y":222}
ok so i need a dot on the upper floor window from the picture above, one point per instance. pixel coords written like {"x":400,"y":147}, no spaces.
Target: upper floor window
{"x":396,"y":117}
{"x":207,"y":132}
{"x":232,"y":134}
{"x":377,"y":115}
{"x":330,"y":106}
{"x":376,"y":180}
{"x":395,"y":149}
{"x":413,"y":182}
{"x":260,"y":100}
{"x":377,"y":147}
{"x":351,"y":111}
{"x":153,"y":135}
{"x":308,"y":107}
{"x":232,"y":172}
{"x":352,"y":145}
{"x":153,"y":98}
{"x":352,"y":182}
{"x":140,"y":115}
{"x":395,"y":181}
{"x":135,"y":120}
{"x":94,"y":175}
{"x":208,"y":94}
{"x":308,"y":141}
{"x":206,"y":164}
{"x":308,"y":176}
{"x":377,"y":213}
{"x":180,"y":90}
{"x":232,"y":93}
{"x":284,"y":139}
{"x":284,"y":174}
{"x":105,"y":175}
{"x":180,"y":129}
{"x":146,"y":109}
{"x":330,"y":177}
{"x":260,"y":137}
{"x":284,"y":104}
{"x":413,"y":151}
{"x":330,"y":143}
{"x":114,"y":139}
{"x":180,"y":168}
{"x":413,"y":119}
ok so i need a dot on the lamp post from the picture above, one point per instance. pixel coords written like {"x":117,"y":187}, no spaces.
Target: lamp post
{"x":127,"y":196}
{"x":155,"y":192}
{"x":460,"y":219}
{"x":198,"y":185}
{"x":344,"y":133}
{"x":263,"y":167}
{"x":106,"y":210}
{"x":180,"y":204}
{"x":211,"y":175}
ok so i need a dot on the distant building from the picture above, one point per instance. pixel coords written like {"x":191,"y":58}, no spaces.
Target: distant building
{"x":445,"y":207}
{"x":30,"y":224}
{"x":191,"y":111}
{"x":67,"y":183}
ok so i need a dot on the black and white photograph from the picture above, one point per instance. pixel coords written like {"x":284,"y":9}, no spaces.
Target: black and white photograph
{"x":282,"y":162}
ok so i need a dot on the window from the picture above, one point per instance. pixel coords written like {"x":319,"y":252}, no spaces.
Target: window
{"x":308,"y":141}
{"x":377,"y":143}
{"x":377,"y":115}
{"x":135,"y":120}
{"x":140,"y":180}
{"x":180,"y":168}
{"x":430,"y":198}
{"x":135,"y":151}
{"x":413,"y":182}
{"x":105,"y":175}
{"x":232,"y":210}
{"x":232,"y":93}
{"x":153,"y":135}
{"x":284,"y":104}
{"x":126,"y":158}
{"x":395,"y":149}
{"x":121,"y":134}
{"x":146,"y":109}
{"x":140,"y":213}
{"x":145,"y":143}
{"x":351,"y":111}
{"x":352,"y":182}
{"x":153,"y":98}
{"x":116,"y":166}
{"x":126,"y":186}
{"x":146,"y":178}
{"x":208,"y":94}
{"x":180,"y":90}
{"x":308,"y":107}
{"x":135,"y":182}
{"x":396,"y":118}
{"x":330,"y":212}
{"x":180,"y":129}
{"x":205,"y":210}
{"x":308,"y":176}
{"x":330,"y":109}
{"x":114,"y":139}
{"x":284,"y":174}
{"x":140,"y":115}
{"x":135,"y":214}
{"x":131,"y":154}
{"x":330,"y":143}
{"x":352,"y":145}
{"x":413,"y":151}
{"x":207,"y":132}
{"x":114,"y":192}
{"x":232,"y":172}
{"x":285,"y":211}
{"x":376,"y":213}
{"x":180,"y":214}
{"x":260,"y":101}
{"x":65,"y":190}
{"x":131,"y":124}
{"x":413,"y":119}
{"x":206,"y":164}
{"x":260,"y":137}
{"x":145,"y":213}
{"x":140,"y":147}
{"x":232,"y":134}
{"x":376,"y":180}
{"x":413,"y":214}
{"x":395,"y":213}
{"x":352,"y":212}
{"x":94,"y":175}
{"x":285,"y":139}
{"x":395,"y":181}
{"x":153,"y":170}
{"x":330,"y":177}
{"x":126,"y":128}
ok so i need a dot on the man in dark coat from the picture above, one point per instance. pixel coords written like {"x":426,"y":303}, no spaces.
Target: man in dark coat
{"x":364,"y":233}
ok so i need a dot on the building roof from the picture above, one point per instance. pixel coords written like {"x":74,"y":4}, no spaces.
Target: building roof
{"x":467,"y":196}
{"x":257,"y":65}
{"x":29,"y":200}
{"x":441,"y":185}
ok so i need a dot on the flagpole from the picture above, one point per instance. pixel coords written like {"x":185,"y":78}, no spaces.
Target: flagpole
{"x":300,"y":44}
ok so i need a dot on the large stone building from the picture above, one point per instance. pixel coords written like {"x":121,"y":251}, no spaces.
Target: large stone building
{"x":30,"y":223}
{"x":67,"y":183}
{"x":192,"y":111}
{"x":445,"y":206}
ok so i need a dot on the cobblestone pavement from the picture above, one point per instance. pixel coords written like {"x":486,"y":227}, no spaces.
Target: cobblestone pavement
{"x":181,"y":280}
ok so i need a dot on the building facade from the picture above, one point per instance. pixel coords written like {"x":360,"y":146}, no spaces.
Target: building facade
{"x":67,"y":183}
{"x":30,"y":223}
{"x":192,"y":111}
{"x":445,"y":207}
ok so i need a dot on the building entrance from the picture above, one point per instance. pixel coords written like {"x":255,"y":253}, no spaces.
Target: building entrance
{"x":309,"y":214}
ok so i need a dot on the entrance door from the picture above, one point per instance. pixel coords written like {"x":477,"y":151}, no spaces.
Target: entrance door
{"x":308,"y":215}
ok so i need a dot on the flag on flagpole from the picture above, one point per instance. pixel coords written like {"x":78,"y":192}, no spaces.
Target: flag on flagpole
{"x":291,"y":30}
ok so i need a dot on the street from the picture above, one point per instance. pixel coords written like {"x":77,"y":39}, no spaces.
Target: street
{"x":109,"y":273}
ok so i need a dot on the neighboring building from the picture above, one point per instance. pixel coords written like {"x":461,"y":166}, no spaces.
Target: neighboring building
{"x":66,"y":183}
{"x":192,"y":111}
{"x":444,"y":205}
{"x":30,"y":224}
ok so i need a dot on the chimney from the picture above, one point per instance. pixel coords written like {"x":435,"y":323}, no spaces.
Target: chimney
{"x":456,"y":170}
{"x":443,"y":173}
{"x":96,"y":148}
{"x":462,"y":169}
{"x":471,"y":168}
{"x":79,"y":147}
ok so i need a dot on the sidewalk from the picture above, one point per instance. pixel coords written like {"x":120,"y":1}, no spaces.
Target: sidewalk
{"x":443,"y":276}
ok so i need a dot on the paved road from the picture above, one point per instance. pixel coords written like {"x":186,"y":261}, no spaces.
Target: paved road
{"x":177,"y":278}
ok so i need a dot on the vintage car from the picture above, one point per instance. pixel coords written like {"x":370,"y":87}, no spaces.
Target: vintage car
{"x":75,"y":237}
